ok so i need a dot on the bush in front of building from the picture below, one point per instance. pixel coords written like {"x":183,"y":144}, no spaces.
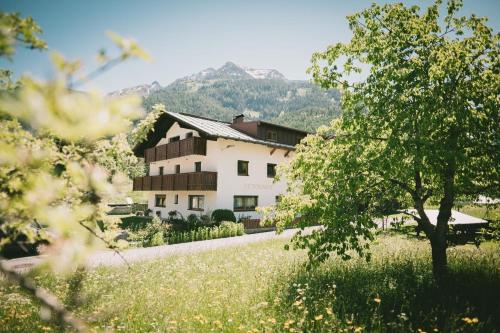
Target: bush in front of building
{"x":193,"y":222}
{"x":220,"y":215}
{"x":226,"y":229}
{"x":153,"y":234}
{"x":135,"y":223}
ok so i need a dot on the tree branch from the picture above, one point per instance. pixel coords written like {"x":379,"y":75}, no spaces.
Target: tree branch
{"x":110,"y":246}
{"x":415,"y":217}
{"x":403,"y":186}
{"x":98,"y":71}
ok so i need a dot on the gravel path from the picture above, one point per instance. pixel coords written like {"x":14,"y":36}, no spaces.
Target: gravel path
{"x":110,"y":258}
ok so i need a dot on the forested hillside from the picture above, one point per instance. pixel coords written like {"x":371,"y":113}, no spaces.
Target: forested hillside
{"x":259,"y":94}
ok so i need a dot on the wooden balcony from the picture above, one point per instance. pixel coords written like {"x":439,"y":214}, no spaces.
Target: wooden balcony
{"x":190,"y":181}
{"x":190,"y":146}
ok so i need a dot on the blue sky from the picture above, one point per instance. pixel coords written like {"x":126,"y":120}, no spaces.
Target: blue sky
{"x":185,"y":37}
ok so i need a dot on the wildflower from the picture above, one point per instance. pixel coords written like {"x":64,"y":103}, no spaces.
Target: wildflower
{"x":319,"y":317}
{"x":272,"y":320}
{"x":358,"y":329}
{"x":471,"y":321}
{"x":297,"y":303}
{"x":421,"y":331}
{"x":218,"y":323}
{"x":329,"y":311}
{"x":377,"y":300}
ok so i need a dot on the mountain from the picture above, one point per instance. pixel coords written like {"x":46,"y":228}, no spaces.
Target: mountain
{"x":258,"y":93}
{"x":142,"y":90}
{"x":230,"y":71}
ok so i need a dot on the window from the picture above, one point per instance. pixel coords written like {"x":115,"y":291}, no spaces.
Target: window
{"x":271,"y":170}
{"x":161,"y":171}
{"x":177,"y":168}
{"x":197,"y":166}
{"x":160,"y":200}
{"x":242,"y":168}
{"x":244,"y":203}
{"x":196,"y":202}
{"x":271,"y":136}
{"x":189,"y":135}
{"x":176,"y":199}
{"x":175,"y":138}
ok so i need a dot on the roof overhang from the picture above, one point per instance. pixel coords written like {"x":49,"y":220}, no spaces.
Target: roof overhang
{"x":161,"y":126}
{"x":166,"y":121}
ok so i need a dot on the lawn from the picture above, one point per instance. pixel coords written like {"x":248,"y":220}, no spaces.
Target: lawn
{"x":263,"y":288}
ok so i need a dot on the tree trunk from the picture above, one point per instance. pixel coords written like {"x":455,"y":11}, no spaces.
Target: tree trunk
{"x":439,"y":258}
{"x":438,"y":239}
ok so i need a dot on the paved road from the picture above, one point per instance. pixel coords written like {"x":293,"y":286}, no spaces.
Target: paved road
{"x":110,"y":258}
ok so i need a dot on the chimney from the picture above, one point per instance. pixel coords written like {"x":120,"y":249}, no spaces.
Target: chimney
{"x":238,"y":119}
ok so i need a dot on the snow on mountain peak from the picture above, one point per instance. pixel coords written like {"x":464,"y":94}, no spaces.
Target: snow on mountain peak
{"x":142,"y":90}
{"x":264,"y":73}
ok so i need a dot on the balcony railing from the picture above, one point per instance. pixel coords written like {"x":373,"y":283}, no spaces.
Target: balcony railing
{"x":190,"y":146}
{"x":190,"y":181}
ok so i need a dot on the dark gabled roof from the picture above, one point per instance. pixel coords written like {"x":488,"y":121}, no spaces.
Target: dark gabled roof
{"x":208,"y":128}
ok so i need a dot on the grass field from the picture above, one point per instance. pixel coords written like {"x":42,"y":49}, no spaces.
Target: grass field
{"x":262,"y":288}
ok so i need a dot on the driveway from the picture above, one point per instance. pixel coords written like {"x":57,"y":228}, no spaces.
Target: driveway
{"x":110,"y":258}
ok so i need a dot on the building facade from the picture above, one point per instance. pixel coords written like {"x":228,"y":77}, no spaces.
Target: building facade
{"x":197,"y":165}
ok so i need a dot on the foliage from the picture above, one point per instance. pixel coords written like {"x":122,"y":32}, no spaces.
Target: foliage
{"x":49,"y":173}
{"x":140,"y":132}
{"x":192,"y":221}
{"x":261,"y":287}
{"x":226,"y":229}
{"x":422,"y":126}
{"x":116,"y":156}
{"x":146,"y":230}
{"x":15,"y":29}
{"x":220,"y":215}
{"x":151,"y":233}
{"x":135,"y":223}
{"x":492,"y":233}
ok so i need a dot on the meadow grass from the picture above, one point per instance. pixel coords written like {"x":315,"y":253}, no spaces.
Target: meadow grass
{"x":263,"y":288}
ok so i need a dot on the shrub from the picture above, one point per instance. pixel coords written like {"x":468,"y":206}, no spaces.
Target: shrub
{"x":205,"y":220}
{"x":192,"y":221}
{"x":152,"y":235}
{"x":226,"y":229}
{"x":175,"y":215}
{"x":220,"y":215}
{"x":157,"y":239}
{"x":135,"y":223}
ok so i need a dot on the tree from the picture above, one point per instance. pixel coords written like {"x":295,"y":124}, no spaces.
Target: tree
{"x":422,"y":127}
{"x":49,"y":170}
{"x":116,"y":156}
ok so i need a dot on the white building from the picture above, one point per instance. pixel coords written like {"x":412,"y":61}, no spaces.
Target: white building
{"x":197,"y":165}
